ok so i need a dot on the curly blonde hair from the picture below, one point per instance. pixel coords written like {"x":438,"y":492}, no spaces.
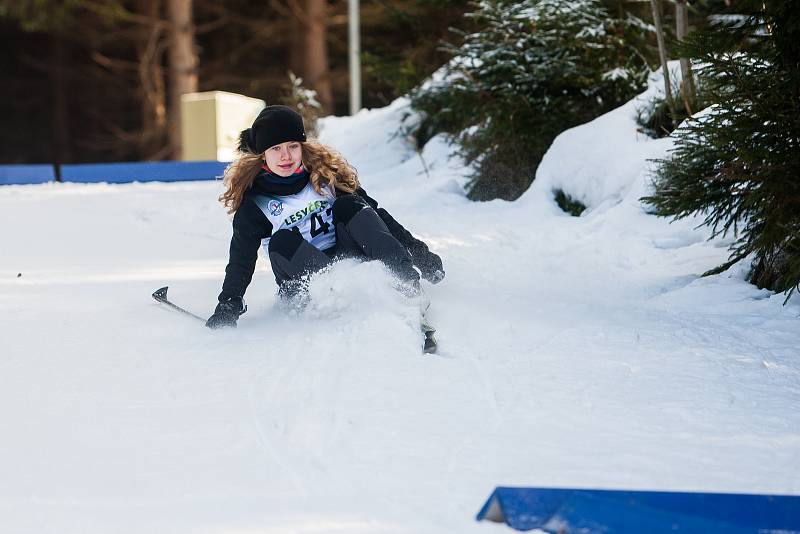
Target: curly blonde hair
{"x":328,"y":171}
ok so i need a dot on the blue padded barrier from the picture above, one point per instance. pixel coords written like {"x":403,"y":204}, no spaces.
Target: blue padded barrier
{"x":148,"y":171}
{"x":636,"y":512}
{"x":26,"y":174}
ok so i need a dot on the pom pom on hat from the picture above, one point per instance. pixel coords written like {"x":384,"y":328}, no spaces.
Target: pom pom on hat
{"x":273,"y":126}
{"x":246,"y":141}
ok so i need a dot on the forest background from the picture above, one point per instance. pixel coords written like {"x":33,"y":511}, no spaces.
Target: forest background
{"x":100,"y":80}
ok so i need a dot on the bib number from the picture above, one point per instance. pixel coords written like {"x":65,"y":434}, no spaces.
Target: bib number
{"x":318,"y":225}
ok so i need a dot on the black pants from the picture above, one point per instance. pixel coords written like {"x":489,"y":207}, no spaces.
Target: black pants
{"x":360,"y":232}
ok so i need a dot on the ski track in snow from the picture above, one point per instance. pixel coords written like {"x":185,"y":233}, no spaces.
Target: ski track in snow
{"x":573,"y":352}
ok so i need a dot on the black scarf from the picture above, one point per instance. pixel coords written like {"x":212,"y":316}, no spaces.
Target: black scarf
{"x":269,"y":183}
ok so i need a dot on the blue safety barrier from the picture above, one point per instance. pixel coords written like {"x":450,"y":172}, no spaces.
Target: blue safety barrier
{"x":636,"y":512}
{"x":26,"y":174}
{"x":148,"y":171}
{"x":115,"y":173}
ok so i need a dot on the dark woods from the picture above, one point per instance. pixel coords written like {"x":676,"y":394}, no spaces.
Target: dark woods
{"x":100,"y":80}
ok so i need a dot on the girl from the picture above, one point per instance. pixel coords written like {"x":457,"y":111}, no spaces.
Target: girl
{"x":303,"y":203}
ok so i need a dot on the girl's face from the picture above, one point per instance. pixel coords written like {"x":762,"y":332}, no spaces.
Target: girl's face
{"x":285,"y":158}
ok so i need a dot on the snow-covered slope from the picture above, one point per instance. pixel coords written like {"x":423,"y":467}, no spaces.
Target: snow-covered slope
{"x":574,"y":352}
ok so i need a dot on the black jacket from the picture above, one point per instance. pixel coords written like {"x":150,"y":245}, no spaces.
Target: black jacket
{"x":250,"y":226}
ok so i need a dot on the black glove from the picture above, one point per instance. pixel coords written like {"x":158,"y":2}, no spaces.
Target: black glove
{"x":428,"y":263}
{"x":227,"y":312}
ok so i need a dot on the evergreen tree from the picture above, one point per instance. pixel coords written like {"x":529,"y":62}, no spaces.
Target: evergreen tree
{"x":529,"y":71}
{"x":401,"y":44}
{"x":738,"y":162}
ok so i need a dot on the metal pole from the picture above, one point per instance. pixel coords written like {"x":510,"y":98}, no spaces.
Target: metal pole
{"x":355,"y":56}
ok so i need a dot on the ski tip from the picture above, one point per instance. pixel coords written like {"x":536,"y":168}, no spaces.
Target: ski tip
{"x":161,"y":293}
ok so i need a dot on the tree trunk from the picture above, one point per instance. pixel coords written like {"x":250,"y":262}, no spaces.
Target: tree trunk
{"x":183,"y":63}
{"x":662,"y":53}
{"x":317,"y":75}
{"x":149,"y":52}
{"x":297,"y":39}
{"x":60,"y":125}
{"x":687,"y":83}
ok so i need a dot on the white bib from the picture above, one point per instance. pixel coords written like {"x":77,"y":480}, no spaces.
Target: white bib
{"x":306,"y":212}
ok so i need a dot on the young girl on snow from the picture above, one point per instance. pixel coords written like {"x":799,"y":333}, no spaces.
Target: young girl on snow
{"x":303,"y":203}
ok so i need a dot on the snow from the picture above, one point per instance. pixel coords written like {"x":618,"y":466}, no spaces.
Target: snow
{"x":575,"y":351}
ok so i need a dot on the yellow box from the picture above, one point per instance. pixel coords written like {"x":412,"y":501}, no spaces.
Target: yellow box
{"x":211,"y":122}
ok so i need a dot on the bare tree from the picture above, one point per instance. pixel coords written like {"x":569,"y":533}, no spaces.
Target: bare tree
{"x":687,"y":81}
{"x":149,"y":52}
{"x":317,"y":74}
{"x":297,"y":39}
{"x":61,"y":151}
{"x":308,"y":48}
{"x":662,"y":52}
{"x":183,"y":63}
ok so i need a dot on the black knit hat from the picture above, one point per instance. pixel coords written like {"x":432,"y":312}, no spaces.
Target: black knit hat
{"x":273,"y":126}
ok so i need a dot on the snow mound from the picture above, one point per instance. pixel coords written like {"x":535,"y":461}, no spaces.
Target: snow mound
{"x":605,"y":161}
{"x":372,"y":137}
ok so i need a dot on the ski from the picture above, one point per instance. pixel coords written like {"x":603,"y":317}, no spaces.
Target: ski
{"x":429,"y":343}
{"x":161,"y":296}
